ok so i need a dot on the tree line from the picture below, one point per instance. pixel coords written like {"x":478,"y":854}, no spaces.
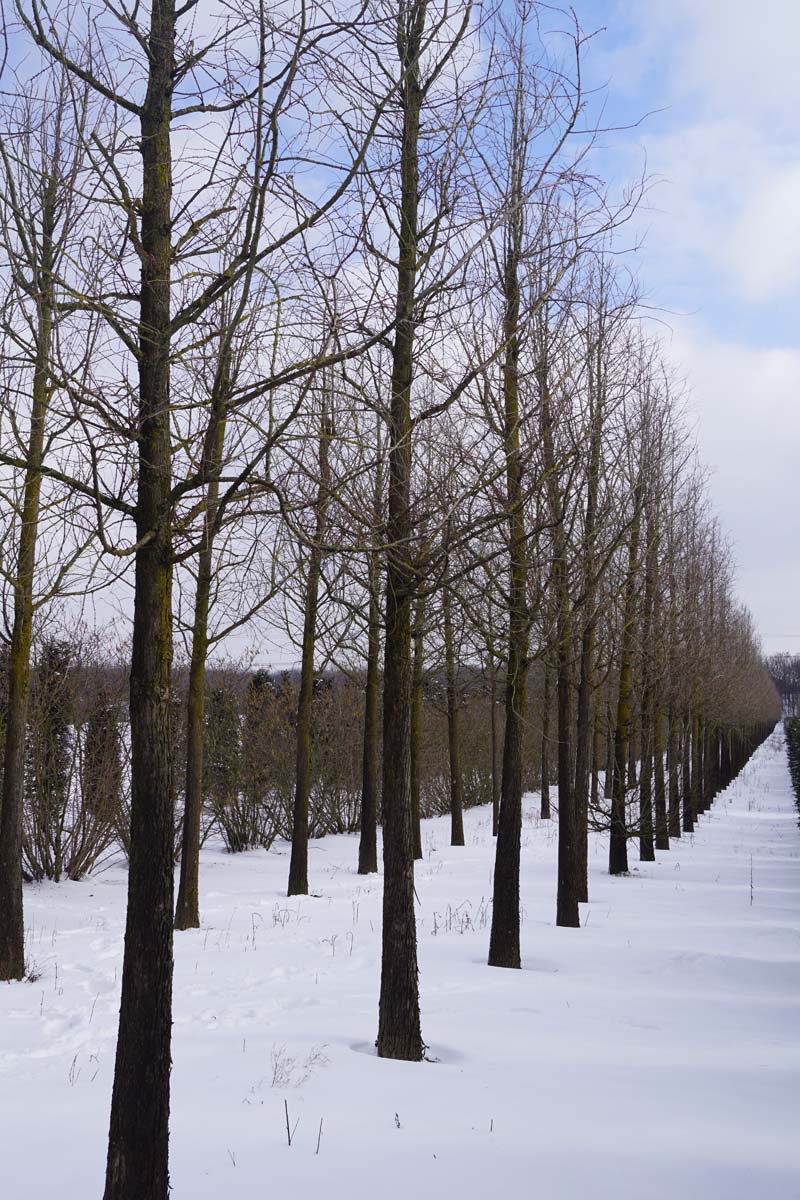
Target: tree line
{"x":321,"y":322}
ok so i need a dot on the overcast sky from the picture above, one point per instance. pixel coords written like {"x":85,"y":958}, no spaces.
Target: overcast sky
{"x":721,"y":254}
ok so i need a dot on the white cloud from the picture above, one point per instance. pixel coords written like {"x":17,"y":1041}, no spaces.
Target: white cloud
{"x":747,"y":404}
{"x":766,"y":241}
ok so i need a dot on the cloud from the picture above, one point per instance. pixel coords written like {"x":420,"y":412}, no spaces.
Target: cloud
{"x":746,"y":401}
{"x":766,"y":240}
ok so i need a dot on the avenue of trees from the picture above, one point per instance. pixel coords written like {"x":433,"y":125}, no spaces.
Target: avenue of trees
{"x":316,"y":323}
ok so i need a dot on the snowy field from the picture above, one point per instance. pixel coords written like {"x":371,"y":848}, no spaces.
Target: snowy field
{"x":653,"y":1053}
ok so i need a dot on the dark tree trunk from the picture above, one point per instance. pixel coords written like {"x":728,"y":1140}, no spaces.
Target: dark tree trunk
{"x":453,"y":732}
{"x":495,"y":743}
{"x":417,"y":697}
{"x":726,"y":768}
{"x":646,"y":847}
{"x":632,"y":775}
{"x":370,"y":769}
{"x":545,"y":755}
{"x":647,"y":851}
{"x":608,"y":773}
{"x":686,"y":761}
{"x":618,"y":850}
{"x":594,"y":799}
{"x":586,"y":732}
{"x":660,"y":794}
{"x":12,"y":925}
{"x":298,"y":864}
{"x":585,"y":729}
{"x":399,"y":1033}
{"x":138,"y":1145}
{"x":697,"y":768}
{"x":673,"y":775}
{"x":710,"y":764}
{"x":567,"y":913}
{"x":187,"y":907}
{"x":504,"y":949}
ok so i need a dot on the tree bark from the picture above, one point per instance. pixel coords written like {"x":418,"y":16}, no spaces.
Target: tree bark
{"x":647,"y":851}
{"x":298,"y":864}
{"x":370,"y":770}
{"x":137,"y":1167}
{"x":495,"y":741}
{"x":504,"y":948}
{"x":12,"y":927}
{"x":567,"y":913}
{"x":660,"y":791}
{"x":399,"y":1033}
{"x":417,"y":698}
{"x":673,"y":773}
{"x":585,"y":726}
{"x":618,"y":849}
{"x":545,"y":755}
{"x":453,"y":731}
{"x":686,"y":761}
{"x":187,"y":907}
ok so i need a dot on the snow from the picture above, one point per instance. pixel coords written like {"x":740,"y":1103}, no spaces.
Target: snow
{"x":655,"y":1052}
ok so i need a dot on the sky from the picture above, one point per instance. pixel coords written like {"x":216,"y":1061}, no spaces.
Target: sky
{"x":704,"y":96}
{"x":713,"y":89}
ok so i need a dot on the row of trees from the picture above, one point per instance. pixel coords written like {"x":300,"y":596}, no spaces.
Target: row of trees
{"x":784,"y":669}
{"x":320,"y":318}
{"x":792,"y":726}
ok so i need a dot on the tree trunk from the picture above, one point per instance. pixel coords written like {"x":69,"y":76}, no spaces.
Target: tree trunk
{"x":495,"y":744}
{"x":298,"y":864}
{"x":504,"y":949}
{"x":417,"y":697}
{"x":187,"y":907}
{"x":368,"y":839}
{"x":585,"y":736}
{"x":608,"y":773}
{"x":647,"y":851}
{"x":673,"y":771}
{"x":646,"y":847}
{"x":138,"y":1144}
{"x":660,"y":794}
{"x":545,"y":756}
{"x":618,"y":849}
{"x":585,"y":726}
{"x":686,"y":759}
{"x":697,"y":768}
{"x":453,"y":735}
{"x":399,"y":1033}
{"x":12,"y":926}
{"x":567,"y":913}
{"x":594,"y":800}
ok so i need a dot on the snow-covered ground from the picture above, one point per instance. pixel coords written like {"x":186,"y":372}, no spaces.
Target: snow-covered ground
{"x":655,"y":1052}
